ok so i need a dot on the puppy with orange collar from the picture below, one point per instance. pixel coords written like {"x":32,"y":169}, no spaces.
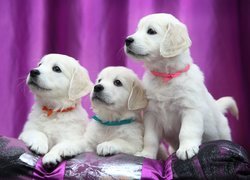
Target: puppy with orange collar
{"x":57,"y":121}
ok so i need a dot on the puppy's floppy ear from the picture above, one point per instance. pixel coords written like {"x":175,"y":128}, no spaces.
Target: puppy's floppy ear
{"x":137,"y":98}
{"x":175,"y":41}
{"x":80,"y":84}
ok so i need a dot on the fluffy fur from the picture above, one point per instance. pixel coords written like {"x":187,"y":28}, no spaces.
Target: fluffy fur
{"x":59,"y":134}
{"x":117,"y":95}
{"x":181,"y":111}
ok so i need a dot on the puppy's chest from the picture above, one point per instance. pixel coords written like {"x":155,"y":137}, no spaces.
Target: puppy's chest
{"x":166,"y":102}
{"x":60,"y":125}
{"x":168,"y":94}
{"x":159,"y":90}
{"x":106,"y":133}
{"x":167,"y":114}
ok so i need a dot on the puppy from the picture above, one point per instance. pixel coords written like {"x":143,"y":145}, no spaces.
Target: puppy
{"x":117,"y":100}
{"x":180,"y":109}
{"x":57,"y":120}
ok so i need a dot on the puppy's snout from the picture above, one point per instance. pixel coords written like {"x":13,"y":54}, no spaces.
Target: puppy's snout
{"x":129,"y":41}
{"x":34,"y":73}
{"x":98,"y":88}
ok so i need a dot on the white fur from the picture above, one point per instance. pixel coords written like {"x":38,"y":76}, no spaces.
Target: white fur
{"x":182,"y":111}
{"x":114,"y":104}
{"x":60,"y":134}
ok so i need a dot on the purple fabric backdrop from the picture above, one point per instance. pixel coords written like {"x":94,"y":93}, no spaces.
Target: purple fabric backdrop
{"x":93,"y":31}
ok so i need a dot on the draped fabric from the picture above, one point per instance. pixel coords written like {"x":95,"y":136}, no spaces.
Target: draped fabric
{"x":215,"y":160}
{"x":93,"y":31}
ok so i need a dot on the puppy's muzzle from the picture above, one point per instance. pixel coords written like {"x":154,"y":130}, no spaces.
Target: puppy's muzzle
{"x":129,"y":41}
{"x":98,"y":88}
{"x":34,"y":73}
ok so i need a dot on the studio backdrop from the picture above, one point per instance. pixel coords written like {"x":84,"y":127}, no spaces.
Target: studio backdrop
{"x":93,"y":32}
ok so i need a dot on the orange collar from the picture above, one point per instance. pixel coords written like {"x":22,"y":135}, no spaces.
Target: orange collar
{"x":51,"y":111}
{"x":167,"y":77}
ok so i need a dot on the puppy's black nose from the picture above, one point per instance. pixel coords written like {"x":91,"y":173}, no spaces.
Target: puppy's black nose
{"x":98,"y":88}
{"x":34,"y":73}
{"x":128,"y":41}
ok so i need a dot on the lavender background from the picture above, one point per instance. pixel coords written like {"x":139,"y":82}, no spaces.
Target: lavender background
{"x":93,"y":31}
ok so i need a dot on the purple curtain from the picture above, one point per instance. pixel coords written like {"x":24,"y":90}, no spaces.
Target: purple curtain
{"x":93,"y":31}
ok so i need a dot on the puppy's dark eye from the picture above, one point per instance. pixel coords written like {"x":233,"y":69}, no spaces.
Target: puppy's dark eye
{"x":56,"y":69}
{"x":39,"y":64}
{"x":99,"y":80}
{"x":151,"y":31}
{"x":117,"y":82}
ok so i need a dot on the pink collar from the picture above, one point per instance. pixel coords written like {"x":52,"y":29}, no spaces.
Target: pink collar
{"x":167,"y":77}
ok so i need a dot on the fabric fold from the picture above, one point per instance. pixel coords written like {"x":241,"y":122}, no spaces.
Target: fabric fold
{"x":55,"y":174}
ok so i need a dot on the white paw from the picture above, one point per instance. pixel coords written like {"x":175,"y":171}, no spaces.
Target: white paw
{"x":68,"y":151}
{"x":107,"y":148}
{"x":51,"y":159}
{"x":187,"y":152}
{"x":37,"y":144}
{"x":146,"y":154}
{"x":39,"y":148}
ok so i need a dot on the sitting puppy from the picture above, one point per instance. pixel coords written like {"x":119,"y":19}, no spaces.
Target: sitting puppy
{"x":117,"y":100}
{"x":57,"y":120}
{"x":180,"y":110}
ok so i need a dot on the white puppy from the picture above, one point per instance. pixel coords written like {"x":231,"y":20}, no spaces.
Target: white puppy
{"x":57,"y":121}
{"x":180,"y":108}
{"x":117,"y":100}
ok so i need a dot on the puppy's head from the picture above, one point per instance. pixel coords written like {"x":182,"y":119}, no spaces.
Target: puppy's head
{"x":157,"y":36}
{"x":59,"y":76}
{"x":118,"y":88}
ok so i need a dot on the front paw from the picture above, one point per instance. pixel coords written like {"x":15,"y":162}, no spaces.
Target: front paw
{"x":39,"y":148}
{"x":187,"y":152}
{"x":36,"y":144}
{"x":107,"y":148}
{"x":146,"y":154}
{"x":51,"y":160}
{"x":67,"y":151}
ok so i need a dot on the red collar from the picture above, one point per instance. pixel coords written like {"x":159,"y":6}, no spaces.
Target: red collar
{"x":51,"y":111}
{"x":167,"y":77}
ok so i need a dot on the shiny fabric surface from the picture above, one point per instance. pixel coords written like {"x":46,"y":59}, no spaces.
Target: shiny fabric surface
{"x":215,"y":160}
{"x":91,"y":166}
{"x":88,"y":166}
{"x":56,"y":174}
{"x":11,"y":167}
{"x":93,"y":31}
{"x":17,"y":162}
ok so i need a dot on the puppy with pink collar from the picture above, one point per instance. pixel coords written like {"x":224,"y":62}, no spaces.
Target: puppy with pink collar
{"x":180,"y":109}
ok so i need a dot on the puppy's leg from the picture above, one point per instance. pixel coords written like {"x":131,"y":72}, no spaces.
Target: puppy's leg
{"x":162,"y":152}
{"x":223,"y":128}
{"x":151,"y":137}
{"x":35,"y":140}
{"x":116,"y":146}
{"x":190,"y":134}
{"x":63,"y":149}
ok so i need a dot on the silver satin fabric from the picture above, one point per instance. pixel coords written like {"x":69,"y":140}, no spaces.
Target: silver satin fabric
{"x":92,"y":166}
